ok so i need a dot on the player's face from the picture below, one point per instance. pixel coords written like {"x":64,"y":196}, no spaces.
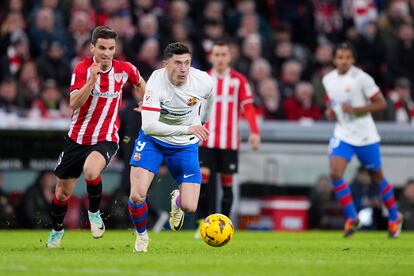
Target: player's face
{"x":220,"y":57}
{"x":343,"y":60}
{"x":177,"y":68}
{"x":104,"y":51}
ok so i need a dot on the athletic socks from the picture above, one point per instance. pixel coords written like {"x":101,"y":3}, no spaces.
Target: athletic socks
{"x":387,"y":195}
{"x":344,"y":196}
{"x":94,"y":188}
{"x":138,"y":213}
{"x":58,"y":210}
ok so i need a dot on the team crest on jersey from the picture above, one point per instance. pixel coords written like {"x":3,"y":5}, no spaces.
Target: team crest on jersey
{"x":118,"y":77}
{"x":192,"y":101}
{"x":137,"y":156}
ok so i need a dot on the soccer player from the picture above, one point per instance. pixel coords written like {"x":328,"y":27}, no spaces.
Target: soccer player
{"x":171,"y":129}
{"x":95,"y":98}
{"x":232,"y":96}
{"x":353,"y":95}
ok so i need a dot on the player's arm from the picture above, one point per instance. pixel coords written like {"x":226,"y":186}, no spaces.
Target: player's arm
{"x":79,"y":96}
{"x":139,"y":90}
{"x":152,"y":126}
{"x":377,"y":103}
{"x":249,"y":112}
{"x":250,"y":115}
{"x":207,"y":110}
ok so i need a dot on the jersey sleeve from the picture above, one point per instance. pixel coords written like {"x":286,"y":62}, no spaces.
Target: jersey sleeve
{"x":369,"y":87}
{"x":245,"y":93}
{"x":133,"y":74}
{"x":78,"y":78}
{"x":152,"y":96}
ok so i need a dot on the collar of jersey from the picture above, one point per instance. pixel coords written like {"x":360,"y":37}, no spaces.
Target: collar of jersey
{"x":221,"y":75}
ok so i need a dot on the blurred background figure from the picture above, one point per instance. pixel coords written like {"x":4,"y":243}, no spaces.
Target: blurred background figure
{"x":300,"y":106}
{"x":324,"y":212}
{"x":34,"y":207}
{"x":6,"y":209}
{"x":400,"y":106}
{"x":406,"y":205}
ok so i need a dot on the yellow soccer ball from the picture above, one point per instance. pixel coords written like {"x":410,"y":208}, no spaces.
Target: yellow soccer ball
{"x":216,"y":230}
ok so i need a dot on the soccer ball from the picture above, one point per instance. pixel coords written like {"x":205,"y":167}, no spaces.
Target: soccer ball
{"x":216,"y":230}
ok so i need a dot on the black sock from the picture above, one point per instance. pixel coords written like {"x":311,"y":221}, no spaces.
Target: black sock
{"x":58,"y":210}
{"x":227,"y":200}
{"x":95,"y":194}
{"x":202,"y":209}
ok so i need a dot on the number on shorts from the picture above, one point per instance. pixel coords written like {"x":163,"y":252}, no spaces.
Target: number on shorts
{"x":140,"y":146}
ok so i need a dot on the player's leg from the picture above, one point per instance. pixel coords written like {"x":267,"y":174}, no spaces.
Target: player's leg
{"x":206,"y":163}
{"x":68,"y":169}
{"x":340,"y":154}
{"x":370,"y":157}
{"x":63,"y":191}
{"x":228,"y":166}
{"x":145,"y":162}
{"x":184,"y":167}
{"x":96,"y":161}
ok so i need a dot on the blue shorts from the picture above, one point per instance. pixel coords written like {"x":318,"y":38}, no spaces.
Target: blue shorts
{"x":369,"y":155}
{"x":182,"y":161}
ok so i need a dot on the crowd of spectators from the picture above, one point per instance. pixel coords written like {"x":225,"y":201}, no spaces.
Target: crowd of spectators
{"x":284,"y":47}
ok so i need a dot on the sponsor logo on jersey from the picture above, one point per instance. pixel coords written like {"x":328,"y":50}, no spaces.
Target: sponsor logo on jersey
{"x":192,"y":101}
{"x":96,"y":93}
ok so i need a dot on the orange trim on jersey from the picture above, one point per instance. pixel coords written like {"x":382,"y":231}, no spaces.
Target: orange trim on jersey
{"x":376,"y":93}
{"x":151,"y":108}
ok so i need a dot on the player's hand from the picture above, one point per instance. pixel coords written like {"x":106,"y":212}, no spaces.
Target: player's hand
{"x":200,"y":132}
{"x":347,"y":108}
{"x":330,"y":114}
{"x":254,"y":141}
{"x":95,"y":69}
{"x":138,"y":108}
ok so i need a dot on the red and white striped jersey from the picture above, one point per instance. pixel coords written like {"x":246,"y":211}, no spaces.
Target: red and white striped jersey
{"x":97,"y":119}
{"x":231,"y":92}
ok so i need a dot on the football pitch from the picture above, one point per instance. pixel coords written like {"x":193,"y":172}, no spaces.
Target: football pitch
{"x":179,"y":253}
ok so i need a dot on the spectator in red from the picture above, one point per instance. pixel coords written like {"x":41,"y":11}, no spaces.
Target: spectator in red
{"x":300,"y":106}
{"x":270,"y":102}
{"x":17,"y":54}
{"x":400,"y":106}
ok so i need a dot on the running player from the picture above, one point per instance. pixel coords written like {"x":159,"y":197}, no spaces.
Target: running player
{"x":353,"y":95}
{"x":232,"y":96}
{"x":171,"y":129}
{"x":95,"y":97}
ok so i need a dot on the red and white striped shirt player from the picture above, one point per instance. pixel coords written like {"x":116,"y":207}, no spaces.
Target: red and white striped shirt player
{"x":97,"y":119}
{"x":232,"y":95}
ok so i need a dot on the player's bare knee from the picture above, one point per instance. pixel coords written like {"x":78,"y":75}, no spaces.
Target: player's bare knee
{"x":62,"y":194}
{"x":90,"y":173}
{"x":336,"y":175}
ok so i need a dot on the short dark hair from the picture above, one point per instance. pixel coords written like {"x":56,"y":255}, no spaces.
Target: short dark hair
{"x":176,"y":48}
{"x":104,"y":32}
{"x":220,"y":43}
{"x":344,"y":46}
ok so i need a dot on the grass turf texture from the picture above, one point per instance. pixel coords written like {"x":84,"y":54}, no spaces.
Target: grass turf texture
{"x":178,"y":253}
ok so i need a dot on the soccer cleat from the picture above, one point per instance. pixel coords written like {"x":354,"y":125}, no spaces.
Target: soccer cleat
{"x":141,"y":243}
{"x":394,"y":227}
{"x":351,"y":225}
{"x":176,"y":214}
{"x":55,"y":237}
{"x":97,"y":225}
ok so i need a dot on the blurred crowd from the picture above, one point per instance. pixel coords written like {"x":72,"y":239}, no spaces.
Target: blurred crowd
{"x":284,"y":47}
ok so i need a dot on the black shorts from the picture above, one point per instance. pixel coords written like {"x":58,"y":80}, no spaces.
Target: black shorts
{"x":221,"y":160}
{"x":73,"y":157}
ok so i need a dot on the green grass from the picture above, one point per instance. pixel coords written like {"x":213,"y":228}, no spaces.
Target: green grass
{"x":171,"y":253}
